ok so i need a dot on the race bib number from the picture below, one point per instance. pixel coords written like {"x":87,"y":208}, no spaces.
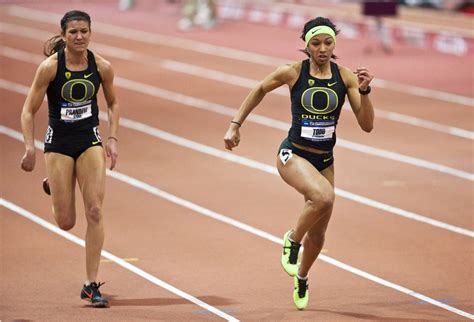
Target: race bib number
{"x":71,"y":112}
{"x":317,"y":131}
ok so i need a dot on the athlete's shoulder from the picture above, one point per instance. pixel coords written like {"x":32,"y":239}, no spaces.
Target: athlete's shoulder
{"x":343,"y":69}
{"x":347,"y":75}
{"x":103,"y":66}
{"x":289,"y":72}
{"x":102,"y":62}
{"x":47,"y":68}
{"x":294,"y":67}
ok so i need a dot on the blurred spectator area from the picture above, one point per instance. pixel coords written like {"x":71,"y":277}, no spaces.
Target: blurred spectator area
{"x":456,"y":5}
{"x":438,"y":25}
{"x":442,"y":25}
{"x":415,"y":13}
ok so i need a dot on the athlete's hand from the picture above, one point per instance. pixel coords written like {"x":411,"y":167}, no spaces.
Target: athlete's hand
{"x":232,"y":137}
{"x":28,"y":160}
{"x":111,"y":151}
{"x":364,"y":77}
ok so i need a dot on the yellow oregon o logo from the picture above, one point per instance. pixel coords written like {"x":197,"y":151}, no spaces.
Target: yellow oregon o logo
{"x":307,"y":100}
{"x":67,"y":91}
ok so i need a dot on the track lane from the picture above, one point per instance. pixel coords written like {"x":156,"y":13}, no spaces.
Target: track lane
{"x":402,"y":68}
{"x":343,"y":142}
{"x":386,"y":186}
{"x":140,"y":231}
{"x":203,"y":134}
{"x":233,"y":68}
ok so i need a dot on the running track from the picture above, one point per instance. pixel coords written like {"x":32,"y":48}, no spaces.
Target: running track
{"x":193,"y":232}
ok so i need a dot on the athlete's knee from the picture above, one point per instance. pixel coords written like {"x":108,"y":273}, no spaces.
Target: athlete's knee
{"x":94,"y":214}
{"x":321,"y":200}
{"x":66,"y":223}
{"x":65,"y":217}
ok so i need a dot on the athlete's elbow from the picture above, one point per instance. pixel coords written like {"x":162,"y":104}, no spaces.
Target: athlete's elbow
{"x":26,"y":115}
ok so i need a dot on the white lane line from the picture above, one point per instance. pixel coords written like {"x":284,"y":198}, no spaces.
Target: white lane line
{"x":415,"y":121}
{"x":132,"y":268}
{"x":39,"y":35}
{"x":211,"y":74}
{"x":273,"y":123}
{"x":255,"y":118}
{"x":424,"y":92}
{"x":146,"y":129}
{"x":201,"y":148}
{"x":149,"y":130}
{"x":214,"y":50}
{"x":254,"y":231}
{"x":215,"y":75}
{"x":143,"y":128}
{"x":222,"y":77}
{"x":221,"y":109}
{"x":260,"y":233}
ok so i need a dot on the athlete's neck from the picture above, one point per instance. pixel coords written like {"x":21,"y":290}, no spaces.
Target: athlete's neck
{"x":320,"y":71}
{"x":76,"y":60}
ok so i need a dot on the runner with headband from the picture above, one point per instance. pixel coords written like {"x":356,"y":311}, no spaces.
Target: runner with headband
{"x":305,"y":160}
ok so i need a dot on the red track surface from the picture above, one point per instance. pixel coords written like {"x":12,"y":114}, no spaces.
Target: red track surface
{"x":234,"y":270}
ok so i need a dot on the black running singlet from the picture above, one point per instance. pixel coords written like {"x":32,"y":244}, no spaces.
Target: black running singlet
{"x":315,"y":107}
{"x":72,"y":96}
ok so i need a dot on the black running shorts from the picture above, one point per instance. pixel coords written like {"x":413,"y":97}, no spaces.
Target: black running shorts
{"x":319,"y":161}
{"x":71,"y":144}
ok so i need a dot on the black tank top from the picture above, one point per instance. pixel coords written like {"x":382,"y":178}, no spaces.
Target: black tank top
{"x":72,"y":96}
{"x":315,"y":107}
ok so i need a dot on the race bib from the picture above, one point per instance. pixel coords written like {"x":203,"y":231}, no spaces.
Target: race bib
{"x":317,"y":131}
{"x":71,"y":112}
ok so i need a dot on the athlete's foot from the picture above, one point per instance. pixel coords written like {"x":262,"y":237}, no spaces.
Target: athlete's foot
{"x":92,"y":294}
{"x":46,"y":186}
{"x":289,"y":256}
{"x":301,"y":293}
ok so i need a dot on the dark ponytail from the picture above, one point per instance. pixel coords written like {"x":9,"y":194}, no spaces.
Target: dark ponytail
{"x":56,"y":43}
{"x":53,"y":45}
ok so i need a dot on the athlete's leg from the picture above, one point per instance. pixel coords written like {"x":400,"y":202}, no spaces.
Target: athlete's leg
{"x":316,"y":189}
{"x":314,"y":239}
{"x":90,"y":171}
{"x":318,"y":193}
{"x":62,"y":182}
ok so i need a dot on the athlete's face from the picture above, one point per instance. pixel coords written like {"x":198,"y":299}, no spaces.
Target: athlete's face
{"x":320,"y":47}
{"x":77,"y":35}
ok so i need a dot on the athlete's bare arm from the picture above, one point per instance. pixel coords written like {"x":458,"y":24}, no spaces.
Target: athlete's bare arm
{"x":287,"y":74}
{"x":360,"y":104}
{"x":45,"y":73}
{"x":113,"y":113}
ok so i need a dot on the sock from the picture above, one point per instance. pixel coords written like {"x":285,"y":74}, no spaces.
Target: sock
{"x":291,"y":240}
{"x":302,"y":278}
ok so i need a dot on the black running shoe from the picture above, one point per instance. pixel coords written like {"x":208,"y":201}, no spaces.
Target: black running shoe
{"x":46,"y":187}
{"x":92,"y":294}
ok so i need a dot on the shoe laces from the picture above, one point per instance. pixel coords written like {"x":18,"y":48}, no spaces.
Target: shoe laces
{"x":95,"y":288}
{"x":294,"y":250}
{"x":302,"y":287}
